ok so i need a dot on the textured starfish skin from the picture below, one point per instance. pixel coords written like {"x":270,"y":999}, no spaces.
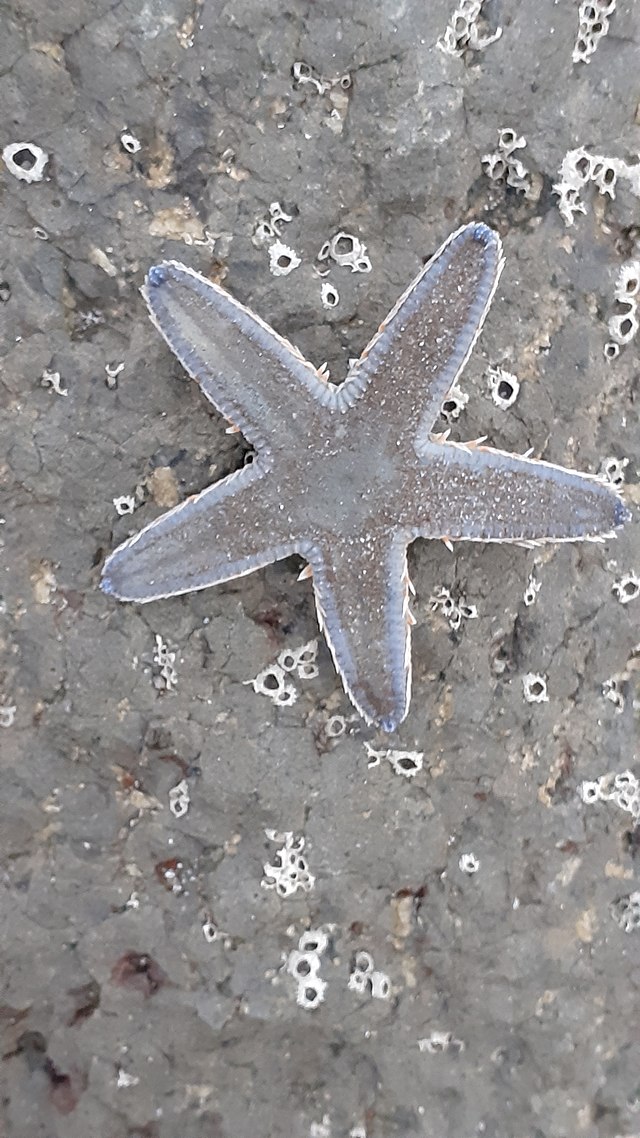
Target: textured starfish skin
{"x":348,"y":477}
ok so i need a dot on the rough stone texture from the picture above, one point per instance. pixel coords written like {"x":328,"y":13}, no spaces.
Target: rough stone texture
{"x":119,"y":1018}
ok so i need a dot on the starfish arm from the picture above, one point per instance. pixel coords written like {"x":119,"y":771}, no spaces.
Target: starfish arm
{"x":361,"y":590}
{"x":419,"y":350}
{"x":474,"y":493}
{"x":253,"y":376}
{"x":221,"y":533}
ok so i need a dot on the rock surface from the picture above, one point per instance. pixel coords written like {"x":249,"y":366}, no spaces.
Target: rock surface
{"x":145,"y":988}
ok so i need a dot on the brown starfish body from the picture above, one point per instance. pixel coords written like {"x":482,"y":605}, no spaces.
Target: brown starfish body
{"x":348,"y":476}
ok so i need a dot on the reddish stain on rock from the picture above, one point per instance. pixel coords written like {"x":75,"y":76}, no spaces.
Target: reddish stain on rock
{"x":139,"y":971}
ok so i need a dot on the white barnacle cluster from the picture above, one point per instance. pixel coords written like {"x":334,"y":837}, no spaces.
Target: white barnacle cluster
{"x":454,"y":611}
{"x":439,"y":1041}
{"x":454,"y":404}
{"x":534,"y":687}
{"x":364,"y":978}
{"x":504,"y":387}
{"x":282,"y":258}
{"x":25,"y":161}
{"x":164,"y":659}
{"x":463,"y":32}
{"x":269,"y":228}
{"x":579,"y":167}
{"x":623,"y":324}
{"x":301,"y":660}
{"x":305,"y":76}
{"x":303,"y":963}
{"x":273,"y":681}
{"x":623,"y":789}
{"x":290,"y":869}
{"x":626,"y":911}
{"x":613,"y":469}
{"x":346,"y":250}
{"x":406,"y":763}
{"x":503,"y":165}
{"x":174,"y":876}
{"x":336,"y":90}
{"x":179,"y":799}
{"x":626,"y":588}
{"x":593,"y":17}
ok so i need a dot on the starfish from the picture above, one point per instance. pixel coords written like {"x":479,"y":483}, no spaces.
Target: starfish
{"x":348,"y":476}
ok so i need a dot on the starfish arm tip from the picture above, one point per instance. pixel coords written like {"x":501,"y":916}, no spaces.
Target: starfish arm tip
{"x":388,"y":724}
{"x":157,"y":275}
{"x":622,"y":513}
{"x":483,"y":231}
{"x":107,"y":586}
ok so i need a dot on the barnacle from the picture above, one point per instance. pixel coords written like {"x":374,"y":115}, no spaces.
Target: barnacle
{"x":407,"y":763}
{"x":532,"y":590}
{"x":504,"y":387}
{"x":535,"y":688}
{"x":25,"y":161}
{"x":53,"y":380}
{"x":329,"y":295}
{"x":124,"y":504}
{"x":179,"y":799}
{"x":613,"y":469}
{"x":130,"y":143}
{"x":627,"y":588}
{"x":454,"y":404}
{"x":282,"y":259}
